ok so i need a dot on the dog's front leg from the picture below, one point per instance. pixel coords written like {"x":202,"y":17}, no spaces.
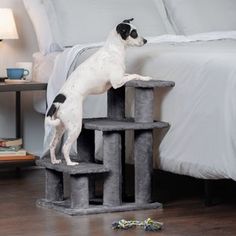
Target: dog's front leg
{"x":129,"y":77}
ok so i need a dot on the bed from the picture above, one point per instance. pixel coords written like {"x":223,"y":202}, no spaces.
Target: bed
{"x":201,"y":141}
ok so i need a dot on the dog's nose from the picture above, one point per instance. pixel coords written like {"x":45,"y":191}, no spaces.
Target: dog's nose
{"x":144,"y":41}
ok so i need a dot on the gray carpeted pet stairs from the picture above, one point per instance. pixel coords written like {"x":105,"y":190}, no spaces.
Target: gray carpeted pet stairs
{"x":113,"y":128}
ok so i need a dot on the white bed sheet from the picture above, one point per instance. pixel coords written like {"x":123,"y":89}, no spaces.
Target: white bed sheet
{"x":201,"y":108}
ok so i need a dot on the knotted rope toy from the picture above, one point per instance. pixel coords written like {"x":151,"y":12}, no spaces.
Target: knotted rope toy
{"x":147,"y":225}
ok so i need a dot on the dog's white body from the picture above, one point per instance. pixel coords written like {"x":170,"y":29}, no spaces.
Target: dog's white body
{"x":100,"y":72}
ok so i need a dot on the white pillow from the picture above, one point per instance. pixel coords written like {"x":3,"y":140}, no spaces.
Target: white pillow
{"x":200,"y":16}
{"x":91,"y":20}
{"x":42,"y":27}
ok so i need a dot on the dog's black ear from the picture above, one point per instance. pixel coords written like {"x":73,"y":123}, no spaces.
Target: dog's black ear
{"x":123,"y":30}
{"x":128,"y":20}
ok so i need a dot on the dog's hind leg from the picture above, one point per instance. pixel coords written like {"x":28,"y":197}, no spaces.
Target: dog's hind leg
{"x":73,"y":133}
{"x":59,"y":131}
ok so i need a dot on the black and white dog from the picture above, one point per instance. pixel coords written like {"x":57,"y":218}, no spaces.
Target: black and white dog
{"x":100,"y":72}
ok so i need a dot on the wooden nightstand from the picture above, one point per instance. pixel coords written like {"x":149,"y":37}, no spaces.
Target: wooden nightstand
{"x":18,"y":88}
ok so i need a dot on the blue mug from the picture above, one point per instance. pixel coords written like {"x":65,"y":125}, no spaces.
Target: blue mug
{"x":16,"y":73}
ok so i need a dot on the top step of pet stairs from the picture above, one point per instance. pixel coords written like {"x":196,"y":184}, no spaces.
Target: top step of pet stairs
{"x":150,"y":84}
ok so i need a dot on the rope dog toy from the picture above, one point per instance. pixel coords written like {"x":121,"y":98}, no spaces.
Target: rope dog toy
{"x":147,"y":225}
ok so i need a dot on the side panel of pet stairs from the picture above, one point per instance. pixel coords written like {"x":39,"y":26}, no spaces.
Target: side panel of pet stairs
{"x":113,"y":127}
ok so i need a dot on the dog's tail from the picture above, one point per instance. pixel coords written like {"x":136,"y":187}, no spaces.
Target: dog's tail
{"x":50,"y":121}
{"x":59,"y":99}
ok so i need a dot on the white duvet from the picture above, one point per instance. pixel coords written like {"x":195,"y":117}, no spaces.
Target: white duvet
{"x":201,"y":109}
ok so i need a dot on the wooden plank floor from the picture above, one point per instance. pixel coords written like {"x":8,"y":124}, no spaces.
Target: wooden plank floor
{"x":20,"y":216}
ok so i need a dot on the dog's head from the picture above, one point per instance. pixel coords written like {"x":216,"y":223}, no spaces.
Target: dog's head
{"x":129,"y":34}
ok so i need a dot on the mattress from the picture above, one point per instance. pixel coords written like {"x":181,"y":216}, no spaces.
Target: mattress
{"x":201,"y":109}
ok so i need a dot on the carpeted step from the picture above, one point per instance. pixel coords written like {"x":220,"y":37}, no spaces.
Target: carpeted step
{"x":106,"y":124}
{"x":150,"y":84}
{"x":83,"y":168}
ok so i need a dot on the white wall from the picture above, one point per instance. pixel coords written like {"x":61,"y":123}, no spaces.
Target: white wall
{"x":12,"y":51}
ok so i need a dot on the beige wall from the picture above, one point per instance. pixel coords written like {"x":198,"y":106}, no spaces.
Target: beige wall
{"x":12,"y":51}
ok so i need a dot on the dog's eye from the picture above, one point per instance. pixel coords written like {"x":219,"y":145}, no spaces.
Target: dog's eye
{"x":134,"y":34}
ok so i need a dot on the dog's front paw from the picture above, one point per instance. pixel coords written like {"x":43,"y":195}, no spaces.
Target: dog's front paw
{"x":56,"y":161}
{"x":72,"y":163}
{"x":146,"y":78}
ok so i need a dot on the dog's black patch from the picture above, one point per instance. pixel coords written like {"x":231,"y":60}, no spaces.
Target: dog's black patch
{"x":128,"y":20}
{"x":52,"y":110}
{"x":134,"y":34}
{"x":60,"y":98}
{"x":123,"y":29}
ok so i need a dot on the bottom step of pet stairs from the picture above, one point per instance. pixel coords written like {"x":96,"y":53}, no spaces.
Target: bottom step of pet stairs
{"x":80,"y":201}
{"x":64,"y":207}
{"x":84,"y":168}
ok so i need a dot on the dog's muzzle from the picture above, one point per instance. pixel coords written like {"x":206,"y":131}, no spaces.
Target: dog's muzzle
{"x":144,"y":41}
